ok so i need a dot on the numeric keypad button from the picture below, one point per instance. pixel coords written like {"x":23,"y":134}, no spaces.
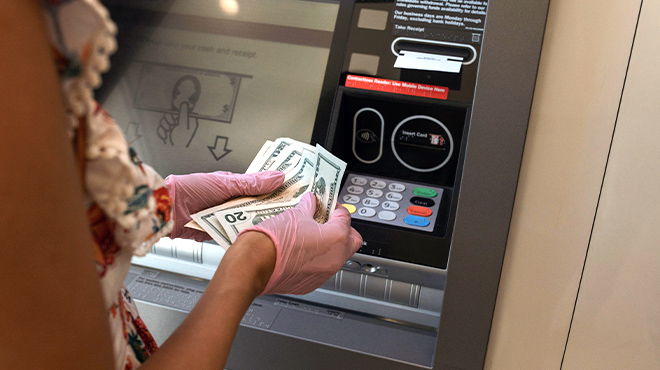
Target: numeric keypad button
{"x":374,"y":193}
{"x":357,"y":190}
{"x":370,"y":202}
{"x":395,"y":186}
{"x":390,"y":206}
{"x":359,"y":181}
{"x":366,"y":212}
{"x":378,"y":184}
{"x":395,"y":197}
{"x":351,"y":199}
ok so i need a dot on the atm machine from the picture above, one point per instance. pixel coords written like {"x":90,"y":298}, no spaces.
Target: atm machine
{"x":426,"y":101}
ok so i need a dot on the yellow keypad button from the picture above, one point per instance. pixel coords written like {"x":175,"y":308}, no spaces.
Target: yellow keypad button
{"x":351,"y":208}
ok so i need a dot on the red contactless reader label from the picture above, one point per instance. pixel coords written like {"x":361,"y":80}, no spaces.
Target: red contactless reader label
{"x":397,"y":87}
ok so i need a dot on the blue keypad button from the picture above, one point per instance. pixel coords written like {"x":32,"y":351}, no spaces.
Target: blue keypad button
{"x":416,"y":221}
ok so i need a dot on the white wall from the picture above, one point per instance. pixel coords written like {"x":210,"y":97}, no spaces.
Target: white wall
{"x":583,"y":65}
{"x":617,"y":316}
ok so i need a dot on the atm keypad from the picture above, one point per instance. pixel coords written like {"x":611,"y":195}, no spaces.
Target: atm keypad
{"x":391,"y":202}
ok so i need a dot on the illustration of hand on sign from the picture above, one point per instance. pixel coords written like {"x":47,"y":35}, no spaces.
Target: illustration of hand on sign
{"x":184,"y":97}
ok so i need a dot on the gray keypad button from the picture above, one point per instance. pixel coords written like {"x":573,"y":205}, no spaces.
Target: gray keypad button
{"x":366,"y":212}
{"x":374,"y":193}
{"x":395,"y":197}
{"x":355,"y":189}
{"x":378,"y":184}
{"x":387,"y":215}
{"x":390,"y":206}
{"x":370,"y":202}
{"x":395,"y":186}
{"x":359,"y":181}
{"x":351,"y":199}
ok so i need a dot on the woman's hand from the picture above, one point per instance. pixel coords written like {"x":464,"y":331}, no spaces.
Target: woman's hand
{"x":308,"y":253}
{"x":196,"y":192}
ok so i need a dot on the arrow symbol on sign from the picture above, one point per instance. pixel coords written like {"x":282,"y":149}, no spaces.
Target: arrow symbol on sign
{"x":219,"y":153}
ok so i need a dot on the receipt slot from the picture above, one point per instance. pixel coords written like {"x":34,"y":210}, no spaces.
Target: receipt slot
{"x":426,"y":101}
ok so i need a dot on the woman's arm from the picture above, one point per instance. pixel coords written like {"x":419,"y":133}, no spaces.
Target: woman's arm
{"x":205,"y":337}
{"x":288,"y":253}
{"x":51,"y":310}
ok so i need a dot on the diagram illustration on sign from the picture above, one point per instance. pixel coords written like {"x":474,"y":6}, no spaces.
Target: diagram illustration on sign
{"x":185,"y":96}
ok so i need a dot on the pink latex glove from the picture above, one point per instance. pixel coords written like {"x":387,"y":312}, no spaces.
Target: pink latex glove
{"x":308,"y":253}
{"x":198,"y":191}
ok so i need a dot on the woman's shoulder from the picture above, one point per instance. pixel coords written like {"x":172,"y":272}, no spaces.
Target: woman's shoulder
{"x":82,"y":37}
{"x":128,"y":196}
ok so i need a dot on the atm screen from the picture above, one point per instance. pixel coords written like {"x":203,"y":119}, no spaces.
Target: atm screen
{"x":200,"y":85}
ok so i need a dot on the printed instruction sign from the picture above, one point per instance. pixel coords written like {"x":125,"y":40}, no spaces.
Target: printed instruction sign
{"x":397,"y":87}
{"x":459,"y":21}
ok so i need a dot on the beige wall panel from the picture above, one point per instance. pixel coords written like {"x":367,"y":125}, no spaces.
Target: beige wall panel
{"x":617,"y":316}
{"x":583,"y":63}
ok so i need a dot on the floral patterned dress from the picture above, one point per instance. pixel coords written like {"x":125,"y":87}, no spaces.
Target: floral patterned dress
{"x":128,"y":205}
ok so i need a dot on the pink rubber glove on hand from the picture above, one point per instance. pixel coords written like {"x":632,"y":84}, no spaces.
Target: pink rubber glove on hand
{"x":198,"y":191}
{"x":308,"y":253}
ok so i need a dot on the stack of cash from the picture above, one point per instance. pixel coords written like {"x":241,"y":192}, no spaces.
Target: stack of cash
{"x":306,"y":168}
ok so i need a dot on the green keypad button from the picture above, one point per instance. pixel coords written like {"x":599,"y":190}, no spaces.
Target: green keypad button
{"x":425,"y":192}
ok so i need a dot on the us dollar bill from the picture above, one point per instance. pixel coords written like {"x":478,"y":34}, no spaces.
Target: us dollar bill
{"x":306,"y":168}
{"x":267,"y":160}
{"x":258,"y":159}
{"x":238,"y":219}
{"x":328,"y":172}
{"x":209,"y":223}
{"x":291,"y":158}
{"x":296,"y":183}
{"x":279,"y":155}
